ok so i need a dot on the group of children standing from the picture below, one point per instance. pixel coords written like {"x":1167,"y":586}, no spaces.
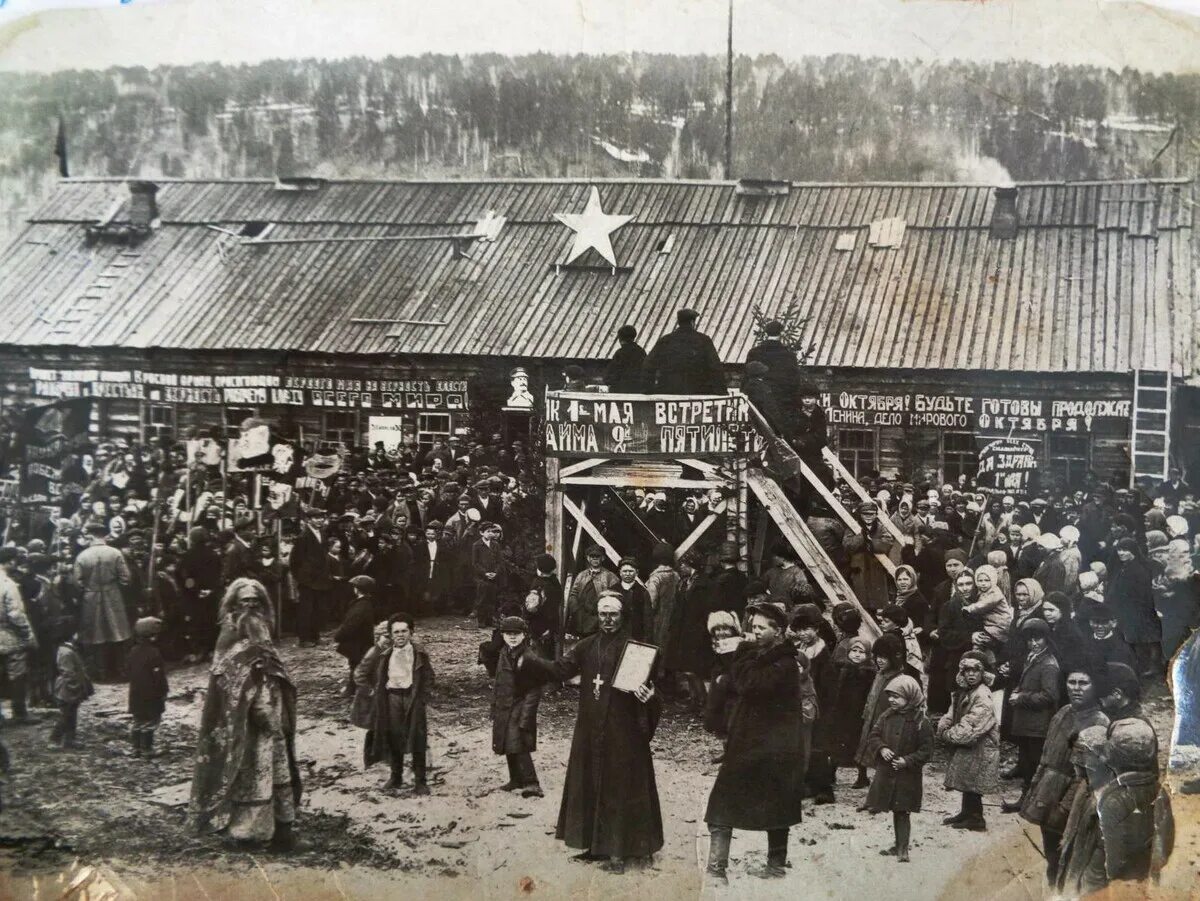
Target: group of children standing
{"x":147,"y":688}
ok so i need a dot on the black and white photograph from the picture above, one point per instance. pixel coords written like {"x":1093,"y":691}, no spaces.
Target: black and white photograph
{"x":683,"y":449}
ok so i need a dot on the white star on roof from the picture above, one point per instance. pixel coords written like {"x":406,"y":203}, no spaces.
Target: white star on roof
{"x":592,"y":228}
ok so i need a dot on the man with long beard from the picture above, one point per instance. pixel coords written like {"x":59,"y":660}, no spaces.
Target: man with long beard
{"x":246,"y":782}
{"x":610,"y":806}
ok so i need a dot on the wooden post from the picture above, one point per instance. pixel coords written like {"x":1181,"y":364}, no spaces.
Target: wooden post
{"x":743,"y":515}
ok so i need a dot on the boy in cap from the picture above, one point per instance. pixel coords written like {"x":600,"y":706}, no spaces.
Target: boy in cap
{"x":147,"y":684}
{"x":515,"y":699}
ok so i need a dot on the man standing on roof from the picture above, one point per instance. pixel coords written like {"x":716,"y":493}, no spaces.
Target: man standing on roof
{"x":783,"y":371}
{"x":624,"y":375}
{"x":684,"y":361}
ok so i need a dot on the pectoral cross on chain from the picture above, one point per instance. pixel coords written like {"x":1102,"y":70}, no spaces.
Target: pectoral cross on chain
{"x":596,"y":683}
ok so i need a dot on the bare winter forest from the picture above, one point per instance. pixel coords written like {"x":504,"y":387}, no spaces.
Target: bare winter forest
{"x":837,"y":118}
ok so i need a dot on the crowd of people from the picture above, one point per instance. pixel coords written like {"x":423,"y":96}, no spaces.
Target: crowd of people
{"x":1035,"y":622}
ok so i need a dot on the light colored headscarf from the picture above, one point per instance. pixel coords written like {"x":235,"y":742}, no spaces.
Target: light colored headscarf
{"x":1036,"y":592}
{"x":719,"y":618}
{"x":909,"y":689}
{"x":912,"y":589}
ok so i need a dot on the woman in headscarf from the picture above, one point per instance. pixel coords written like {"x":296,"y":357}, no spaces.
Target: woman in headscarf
{"x":907,"y":594}
{"x":972,"y":733}
{"x":901,"y":741}
{"x":889,"y":655}
{"x":953,"y":634}
{"x":1032,"y":700}
{"x":1072,"y":560}
{"x":726,"y":635}
{"x":246,"y":781}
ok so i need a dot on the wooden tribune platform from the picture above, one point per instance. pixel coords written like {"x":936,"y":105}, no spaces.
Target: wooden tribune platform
{"x":703,"y":443}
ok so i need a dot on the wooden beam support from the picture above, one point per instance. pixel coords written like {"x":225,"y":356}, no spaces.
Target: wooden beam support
{"x":836,"y":464}
{"x":577,"y":467}
{"x":697,"y":533}
{"x":648,"y":481}
{"x":588,"y":526}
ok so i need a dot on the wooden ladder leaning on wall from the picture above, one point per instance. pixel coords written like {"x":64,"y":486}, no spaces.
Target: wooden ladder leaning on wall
{"x":783,"y":464}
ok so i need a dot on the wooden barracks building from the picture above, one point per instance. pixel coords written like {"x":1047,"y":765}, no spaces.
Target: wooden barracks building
{"x":938,"y":314}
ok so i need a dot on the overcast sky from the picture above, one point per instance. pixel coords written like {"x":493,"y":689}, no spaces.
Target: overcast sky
{"x":151,"y":32}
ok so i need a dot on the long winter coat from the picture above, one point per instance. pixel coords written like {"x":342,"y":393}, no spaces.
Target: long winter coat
{"x":102,"y":572}
{"x":689,"y":649}
{"x":1130,"y":594}
{"x":868,"y":578}
{"x":843,"y":694}
{"x":147,"y":681}
{"x":761,"y":780}
{"x":1177,"y":601}
{"x":971,"y":731}
{"x":377,"y":746}
{"x":1048,"y":801}
{"x":910,"y":735}
{"x":1036,"y":697}
{"x":663,"y":586}
{"x":515,"y":699}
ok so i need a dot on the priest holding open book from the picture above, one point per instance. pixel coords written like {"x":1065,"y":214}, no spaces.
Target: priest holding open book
{"x":610,"y":806}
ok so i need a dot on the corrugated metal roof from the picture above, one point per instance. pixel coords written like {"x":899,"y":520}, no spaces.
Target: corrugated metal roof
{"x":1098,"y":279}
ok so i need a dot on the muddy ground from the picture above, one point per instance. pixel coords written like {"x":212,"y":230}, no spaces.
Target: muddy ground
{"x":103,"y":818}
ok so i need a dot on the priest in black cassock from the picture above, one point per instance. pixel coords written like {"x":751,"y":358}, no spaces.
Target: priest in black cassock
{"x":610,"y":804}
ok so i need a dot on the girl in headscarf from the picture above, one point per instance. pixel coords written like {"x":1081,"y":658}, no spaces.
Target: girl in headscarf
{"x":726,"y":636}
{"x":889,"y":654}
{"x":901,"y":743}
{"x":1002,"y":565}
{"x":1029,"y":597}
{"x":992,"y":606}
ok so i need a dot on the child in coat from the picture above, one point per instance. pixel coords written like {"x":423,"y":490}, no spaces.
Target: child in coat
{"x":355,"y":635}
{"x":901,"y":742}
{"x":147,"y":684}
{"x":71,"y":688}
{"x":515,"y":701}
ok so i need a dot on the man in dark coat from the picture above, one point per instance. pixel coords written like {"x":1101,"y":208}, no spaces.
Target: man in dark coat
{"x":199,"y":576}
{"x":515,"y":698}
{"x":356,"y":634}
{"x":624,"y":375}
{"x":489,"y":569}
{"x":783,"y":371}
{"x":760,"y":391}
{"x":585,"y":593}
{"x":761,"y":780}
{"x":684,"y":361}
{"x":310,"y":568}
{"x":237,"y":561}
{"x":610,"y":806}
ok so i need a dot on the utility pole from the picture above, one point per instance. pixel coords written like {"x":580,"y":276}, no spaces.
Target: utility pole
{"x":729,"y":98}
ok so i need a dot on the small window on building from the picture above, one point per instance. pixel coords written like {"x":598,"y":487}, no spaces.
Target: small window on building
{"x":431,"y":426}
{"x":1069,"y":460}
{"x":959,"y":456}
{"x":160,"y":421}
{"x":340,"y":427}
{"x":234,"y":417}
{"x":858,"y":449}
